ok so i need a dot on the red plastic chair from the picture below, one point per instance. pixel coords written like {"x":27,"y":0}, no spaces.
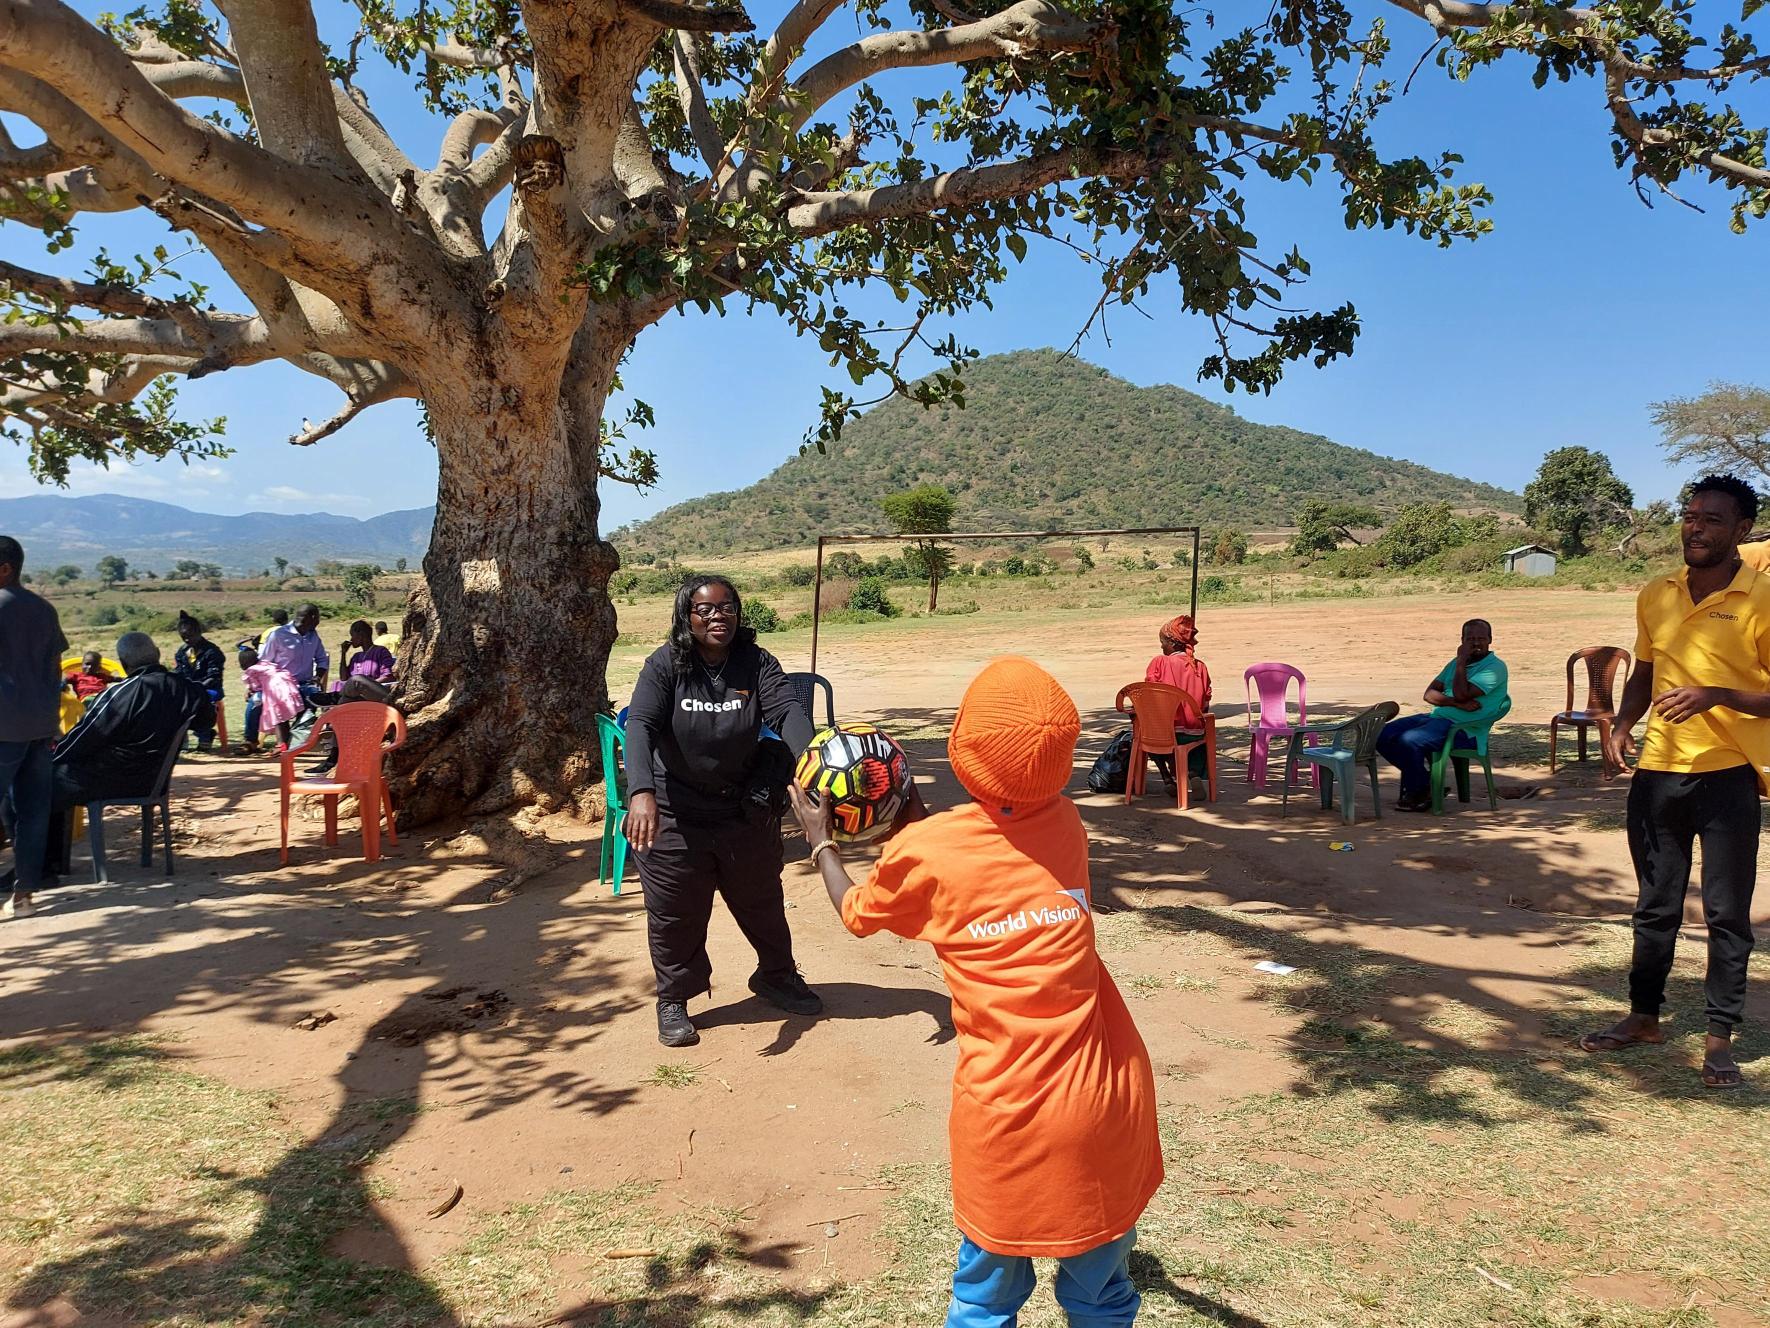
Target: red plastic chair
{"x":1604,"y":664}
{"x":360,"y":729}
{"x":1167,"y":721}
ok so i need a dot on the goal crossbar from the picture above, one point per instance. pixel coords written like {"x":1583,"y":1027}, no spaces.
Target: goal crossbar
{"x":823,"y":541}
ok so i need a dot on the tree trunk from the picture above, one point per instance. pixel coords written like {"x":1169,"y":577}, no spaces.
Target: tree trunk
{"x":933,"y":591}
{"x":509,"y":635}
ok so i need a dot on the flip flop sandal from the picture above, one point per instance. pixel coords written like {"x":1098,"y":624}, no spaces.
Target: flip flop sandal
{"x":1719,"y":1077}
{"x":1591,"y":1043}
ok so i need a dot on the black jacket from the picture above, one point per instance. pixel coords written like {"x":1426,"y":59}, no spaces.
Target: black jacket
{"x":693,"y":741}
{"x":119,"y":745}
{"x":203,"y":665}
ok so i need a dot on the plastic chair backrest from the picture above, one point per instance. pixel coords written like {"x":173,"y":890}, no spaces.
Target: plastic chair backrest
{"x":1479,"y":729}
{"x":1273,"y":683}
{"x":614,"y":740}
{"x":1360,"y":733}
{"x":805,"y":687}
{"x":163,"y":782}
{"x":360,"y":729}
{"x":1602,"y":665}
{"x":1157,"y":710}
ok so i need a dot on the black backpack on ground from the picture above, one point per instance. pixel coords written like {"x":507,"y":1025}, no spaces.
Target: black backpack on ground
{"x":1113,"y":765}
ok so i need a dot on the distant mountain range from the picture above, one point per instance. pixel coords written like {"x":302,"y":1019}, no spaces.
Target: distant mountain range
{"x":56,"y":529}
{"x":1045,"y":440}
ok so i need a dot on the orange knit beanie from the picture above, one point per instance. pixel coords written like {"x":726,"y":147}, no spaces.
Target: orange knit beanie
{"x":1014,"y":738}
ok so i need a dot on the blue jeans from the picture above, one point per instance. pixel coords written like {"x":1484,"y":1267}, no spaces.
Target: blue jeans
{"x":255,"y":706}
{"x":1094,"y":1288}
{"x":24,"y":802}
{"x":1409,"y":745}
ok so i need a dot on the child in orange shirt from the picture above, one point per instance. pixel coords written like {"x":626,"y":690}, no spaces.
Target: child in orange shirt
{"x":1053,"y":1132}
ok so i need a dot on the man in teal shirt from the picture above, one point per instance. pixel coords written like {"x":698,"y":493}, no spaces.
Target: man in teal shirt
{"x":1472,"y":687}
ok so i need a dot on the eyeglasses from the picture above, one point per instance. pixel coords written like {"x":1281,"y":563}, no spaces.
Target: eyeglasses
{"x":708,"y":612}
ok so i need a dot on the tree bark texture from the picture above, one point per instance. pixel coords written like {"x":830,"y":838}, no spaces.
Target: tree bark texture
{"x":509,"y":635}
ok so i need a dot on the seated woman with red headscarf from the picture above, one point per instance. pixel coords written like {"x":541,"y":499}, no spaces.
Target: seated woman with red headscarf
{"x":1179,"y":666}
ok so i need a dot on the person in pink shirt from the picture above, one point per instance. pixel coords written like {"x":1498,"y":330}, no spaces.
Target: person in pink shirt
{"x":1179,"y":666}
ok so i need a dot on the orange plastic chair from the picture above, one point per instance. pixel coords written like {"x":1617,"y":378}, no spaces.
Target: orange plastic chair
{"x":1167,"y":721}
{"x":1603,"y":665}
{"x":360,"y":729}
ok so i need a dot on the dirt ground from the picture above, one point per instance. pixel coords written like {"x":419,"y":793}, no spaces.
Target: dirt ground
{"x":504,"y":1041}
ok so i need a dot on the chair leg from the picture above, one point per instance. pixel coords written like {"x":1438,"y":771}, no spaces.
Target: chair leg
{"x":285,"y":819}
{"x":331,"y":801}
{"x":1376,"y":792}
{"x":371,"y":824}
{"x":1324,"y":785}
{"x":620,"y":849}
{"x":1210,"y":771}
{"x":1349,"y":796}
{"x":607,"y":857}
{"x":1259,"y":748}
{"x":147,"y":834}
{"x":1582,"y":742}
{"x":1554,"y":732}
{"x":1437,"y":776}
{"x":1461,"y":765}
{"x":166,"y":833}
{"x":95,"y":841}
{"x":386,"y":800}
{"x":1493,"y":797}
{"x":1134,"y":770}
{"x":1183,"y":777}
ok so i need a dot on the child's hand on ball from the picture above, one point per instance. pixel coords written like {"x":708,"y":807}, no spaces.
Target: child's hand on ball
{"x":813,"y":814}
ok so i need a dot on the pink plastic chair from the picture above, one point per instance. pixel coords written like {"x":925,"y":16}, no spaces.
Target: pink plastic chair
{"x":1273,"y":683}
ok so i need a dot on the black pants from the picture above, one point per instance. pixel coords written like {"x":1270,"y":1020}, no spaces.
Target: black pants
{"x":679,"y":873}
{"x":1667,"y":813}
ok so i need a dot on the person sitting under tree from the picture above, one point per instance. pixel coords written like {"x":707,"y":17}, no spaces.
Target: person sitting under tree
{"x":200,"y":660}
{"x":296,"y":649}
{"x":1471,"y":688}
{"x":118,"y":748}
{"x":91,"y":678}
{"x":1702,"y":678}
{"x":1179,"y":666}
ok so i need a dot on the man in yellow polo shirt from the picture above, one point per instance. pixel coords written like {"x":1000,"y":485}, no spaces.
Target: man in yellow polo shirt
{"x":1703,"y":679}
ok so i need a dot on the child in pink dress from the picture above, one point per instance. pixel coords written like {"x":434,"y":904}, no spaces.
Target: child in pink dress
{"x":282,"y":696}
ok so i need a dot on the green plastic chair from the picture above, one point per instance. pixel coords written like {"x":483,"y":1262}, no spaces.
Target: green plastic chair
{"x":1351,"y":745}
{"x":1477,"y":732}
{"x":614,"y":819}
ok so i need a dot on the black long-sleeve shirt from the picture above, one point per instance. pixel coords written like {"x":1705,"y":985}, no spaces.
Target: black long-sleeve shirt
{"x":119,"y":745}
{"x":691,"y":740}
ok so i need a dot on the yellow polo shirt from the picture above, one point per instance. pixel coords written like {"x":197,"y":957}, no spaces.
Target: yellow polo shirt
{"x":1756,"y":555}
{"x":1722,"y":642}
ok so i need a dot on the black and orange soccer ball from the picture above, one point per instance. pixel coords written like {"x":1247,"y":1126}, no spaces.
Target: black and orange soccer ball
{"x":863,"y":774}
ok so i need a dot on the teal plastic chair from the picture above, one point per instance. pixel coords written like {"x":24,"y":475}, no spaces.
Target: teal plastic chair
{"x":614,"y":819}
{"x":1351,"y":745}
{"x":1477,"y":733}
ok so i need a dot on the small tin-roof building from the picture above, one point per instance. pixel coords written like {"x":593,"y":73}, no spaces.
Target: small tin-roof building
{"x":1531,"y":560}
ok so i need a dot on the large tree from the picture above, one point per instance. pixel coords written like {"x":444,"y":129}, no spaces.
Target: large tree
{"x":649,"y":156}
{"x":1725,"y":428}
{"x":1575,"y":496}
{"x":926,"y":509}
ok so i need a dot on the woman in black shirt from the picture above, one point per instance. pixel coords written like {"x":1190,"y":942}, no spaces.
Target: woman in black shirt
{"x":200,"y":660}
{"x":704,"y":801}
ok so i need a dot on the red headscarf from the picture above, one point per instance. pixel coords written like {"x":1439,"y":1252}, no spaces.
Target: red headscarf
{"x":1179,"y":632}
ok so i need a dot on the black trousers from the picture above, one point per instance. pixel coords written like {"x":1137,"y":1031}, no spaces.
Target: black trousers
{"x":679,"y":874}
{"x":1667,"y":813}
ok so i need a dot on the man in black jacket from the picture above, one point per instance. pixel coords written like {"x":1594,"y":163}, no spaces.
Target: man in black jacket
{"x":119,"y":746}
{"x":200,"y":660}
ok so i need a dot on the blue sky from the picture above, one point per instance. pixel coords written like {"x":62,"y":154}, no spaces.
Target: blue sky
{"x":1559,"y":328}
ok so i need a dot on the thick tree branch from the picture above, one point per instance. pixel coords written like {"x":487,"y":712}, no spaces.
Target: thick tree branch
{"x":226,"y":338}
{"x":693,"y":96}
{"x":389,"y":385}
{"x":1022,"y":29}
{"x":69,"y":294}
{"x":685,"y":17}
{"x":312,"y":207}
{"x":290,"y":88}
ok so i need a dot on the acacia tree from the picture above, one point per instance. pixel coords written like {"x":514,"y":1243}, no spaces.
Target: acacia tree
{"x":1725,"y":428}
{"x":926,"y":509}
{"x":648,"y":156}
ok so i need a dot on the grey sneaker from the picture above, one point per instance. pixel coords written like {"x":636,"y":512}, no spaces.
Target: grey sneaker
{"x":787,"y":991}
{"x":674,"y":1028}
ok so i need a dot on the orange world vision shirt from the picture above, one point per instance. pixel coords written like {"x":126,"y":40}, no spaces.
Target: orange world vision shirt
{"x":1053,"y":1128}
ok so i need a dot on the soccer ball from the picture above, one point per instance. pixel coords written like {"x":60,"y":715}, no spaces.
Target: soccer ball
{"x":862,"y":773}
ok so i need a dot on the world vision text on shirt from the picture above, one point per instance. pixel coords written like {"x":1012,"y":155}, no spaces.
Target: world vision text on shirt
{"x":1053,"y":1132}
{"x":1724,"y":641}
